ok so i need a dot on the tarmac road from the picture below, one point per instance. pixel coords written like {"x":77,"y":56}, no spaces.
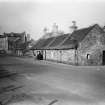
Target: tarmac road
{"x":45,"y":81}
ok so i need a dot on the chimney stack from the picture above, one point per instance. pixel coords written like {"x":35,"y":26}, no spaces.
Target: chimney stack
{"x":45,"y":30}
{"x":28,"y":37}
{"x":73,"y":27}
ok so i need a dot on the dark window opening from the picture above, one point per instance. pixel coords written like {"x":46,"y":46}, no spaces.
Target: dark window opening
{"x":88,"y":56}
{"x":103,"y":58}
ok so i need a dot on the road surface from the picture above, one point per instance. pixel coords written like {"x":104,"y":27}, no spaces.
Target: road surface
{"x":43,"y":82}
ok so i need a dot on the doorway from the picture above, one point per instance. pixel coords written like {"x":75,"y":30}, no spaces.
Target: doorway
{"x":103,"y":58}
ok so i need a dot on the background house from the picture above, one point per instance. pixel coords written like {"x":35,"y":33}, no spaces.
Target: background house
{"x":3,"y":43}
{"x":17,"y":42}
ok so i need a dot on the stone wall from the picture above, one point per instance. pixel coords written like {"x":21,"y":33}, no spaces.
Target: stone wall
{"x":67,"y":56}
{"x":52,"y":55}
{"x":91,"y":48}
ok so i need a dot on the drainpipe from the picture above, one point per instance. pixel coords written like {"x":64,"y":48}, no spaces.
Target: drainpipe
{"x":76,"y":54}
{"x":45,"y":54}
{"x":75,"y":57}
{"x":60,"y":56}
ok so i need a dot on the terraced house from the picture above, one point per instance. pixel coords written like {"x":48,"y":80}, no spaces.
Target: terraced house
{"x":17,"y":42}
{"x":84,"y":46}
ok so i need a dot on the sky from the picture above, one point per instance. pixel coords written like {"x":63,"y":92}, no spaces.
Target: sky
{"x":32,"y":16}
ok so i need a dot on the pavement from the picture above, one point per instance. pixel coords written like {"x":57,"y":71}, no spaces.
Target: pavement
{"x":45,"y":82}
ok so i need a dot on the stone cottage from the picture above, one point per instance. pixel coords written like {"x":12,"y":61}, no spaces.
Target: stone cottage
{"x":82,"y":47}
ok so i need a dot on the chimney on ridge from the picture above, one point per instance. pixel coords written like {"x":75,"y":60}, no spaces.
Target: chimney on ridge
{"x":73,"y":27}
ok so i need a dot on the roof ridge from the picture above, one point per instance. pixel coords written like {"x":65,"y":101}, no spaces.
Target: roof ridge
{"x":85,"y":28}
{"x":91,"y":27}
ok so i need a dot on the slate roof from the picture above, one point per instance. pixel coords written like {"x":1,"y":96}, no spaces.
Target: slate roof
{"x":12,"y":34}
{"x":65,"y":41}
{"x":69,"y":44}
{"x":14,"y":37}
{"x":39,"y":44}
{"x":80,"y":34}
{"x":47,"y":42}
{"x":76,"y":37}
{"x":58,"y":40}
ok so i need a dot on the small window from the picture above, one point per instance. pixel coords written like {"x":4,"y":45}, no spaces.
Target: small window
{"x":88,"y":56}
